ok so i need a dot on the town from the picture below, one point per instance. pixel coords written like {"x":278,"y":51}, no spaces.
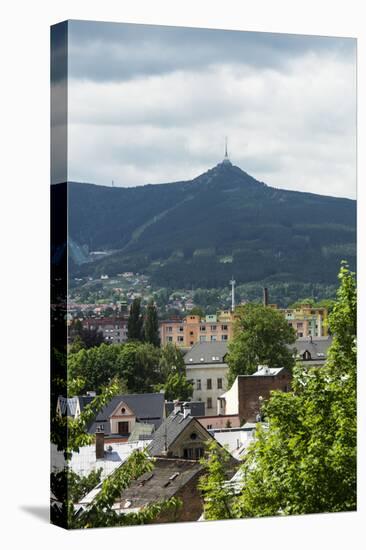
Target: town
{"x":170,"y":399}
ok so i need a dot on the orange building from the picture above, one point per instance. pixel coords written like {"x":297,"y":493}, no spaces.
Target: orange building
{"x":184,"y":333}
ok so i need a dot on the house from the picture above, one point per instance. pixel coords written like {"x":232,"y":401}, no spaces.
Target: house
{"x":249,"y":391}
{"x":207,"y":369}
{"x":179,"y":436}
{"x":312,"y":352}
{"x":119,"y":418}
{"x":170,"y":477}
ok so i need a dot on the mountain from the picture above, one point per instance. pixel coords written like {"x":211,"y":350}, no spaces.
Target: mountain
{"x":201,"y":232}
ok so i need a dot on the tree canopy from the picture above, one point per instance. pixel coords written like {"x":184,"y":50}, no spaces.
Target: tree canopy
{"x":151,"y":325}
{"x":261,"y":336}
{"x":135,"y":321}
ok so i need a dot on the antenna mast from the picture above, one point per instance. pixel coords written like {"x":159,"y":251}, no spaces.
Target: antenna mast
{"x":232,"y":282}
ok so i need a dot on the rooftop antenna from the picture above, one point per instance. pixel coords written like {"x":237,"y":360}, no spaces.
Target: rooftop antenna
{"x":232,"y":282}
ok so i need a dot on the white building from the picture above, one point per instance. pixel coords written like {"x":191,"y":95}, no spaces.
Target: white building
{"x":206,"y":368}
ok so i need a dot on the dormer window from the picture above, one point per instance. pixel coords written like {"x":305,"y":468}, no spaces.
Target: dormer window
{"x":123,"y":410}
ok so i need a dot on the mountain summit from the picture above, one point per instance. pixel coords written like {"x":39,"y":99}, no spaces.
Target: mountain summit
{"x":201,"y":232}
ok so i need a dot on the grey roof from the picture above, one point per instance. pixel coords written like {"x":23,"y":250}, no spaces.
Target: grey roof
{"x":317,"y":347}
{"x":206,"y":352}
{"x":148,"y":408}
{"x":168,"y":432}
{"x":197,"y":408}
{"x":163,"y":482}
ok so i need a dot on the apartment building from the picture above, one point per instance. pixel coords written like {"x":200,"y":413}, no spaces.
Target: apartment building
{"x":114,"y":329}
{"x":307,"y":321}
{"x":193,"y":329}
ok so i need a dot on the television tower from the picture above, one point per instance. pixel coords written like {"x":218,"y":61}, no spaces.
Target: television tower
{"x":232,"y":282}
{"x":226,"y":157}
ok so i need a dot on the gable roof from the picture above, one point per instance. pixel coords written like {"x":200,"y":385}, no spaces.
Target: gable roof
{"x":206,"y":352}
{"x":168,"y":432}
{"x":148,"y":408}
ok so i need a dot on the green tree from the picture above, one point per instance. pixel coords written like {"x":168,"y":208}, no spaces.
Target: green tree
{"x":151,"y":325}
{"x":217,"y":495}
{"x":305,"y":462}
{"x":135,"y":321}
{"x":177,"y":387}
{"x":96,"y":366}
{"x":261,"y":336}
{"x":171,"y":361}
{"x":138,"y":365}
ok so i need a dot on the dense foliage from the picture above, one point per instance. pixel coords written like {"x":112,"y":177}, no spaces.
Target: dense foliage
{"x":135,"y":321}
{"x":151,"y":325}
{"x":261,"y":337}
{"x":137,"y":367}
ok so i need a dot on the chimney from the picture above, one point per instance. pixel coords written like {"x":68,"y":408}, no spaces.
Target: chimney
{"x":265,"y":296}
{"x":186,"y":410}
{"x":99,"y":444}
{"x":177,"y":407}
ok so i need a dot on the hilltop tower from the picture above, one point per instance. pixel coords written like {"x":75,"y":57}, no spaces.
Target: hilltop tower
{"x":232,"y":282}
{"x":226,"y":157}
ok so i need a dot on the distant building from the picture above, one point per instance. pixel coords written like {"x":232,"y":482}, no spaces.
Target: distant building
{"x":247,"y":393}
{"x":307,"y":320}
{"x":184,"y":333}
{"x":206,"y":367}
{"x":114,"y":329}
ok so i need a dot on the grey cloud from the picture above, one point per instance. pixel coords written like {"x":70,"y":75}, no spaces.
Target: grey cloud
{"x":120,"y":51}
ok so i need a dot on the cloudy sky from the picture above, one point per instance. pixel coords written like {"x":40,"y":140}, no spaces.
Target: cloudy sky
{"x":150,"y":104}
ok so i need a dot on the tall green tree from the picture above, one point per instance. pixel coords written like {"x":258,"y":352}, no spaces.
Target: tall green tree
{"x":261,"y":336}
{"x":305,"y":462}
{"x":151,"y":325}
{"x":171,"y":361}
{"x":135,"y":321}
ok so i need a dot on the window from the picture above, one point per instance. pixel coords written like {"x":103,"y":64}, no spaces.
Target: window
{"x":180,"y":329}
{"x":224,"y":337}
{"x":300,"y":334}
{"x":191,"y":333}
{"x":180,"y":339}
{"x":170,"y":338}
{"x":198,"y":382}
{"x":202,"y":338}
{"x":170,"y":329}
{"x":223,"y":327}
{"x":203,"y":328}
{"x":209,"y":427}
{"x":219,"y":383}
{"x":209,"y":384}
{"x":213,"y":328}
{"x":213,"y":338}
{"x":191,"y":343}
{"x":209,"y":402}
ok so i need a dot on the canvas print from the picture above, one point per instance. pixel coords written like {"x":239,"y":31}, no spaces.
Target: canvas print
{"x":203,"y":274}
